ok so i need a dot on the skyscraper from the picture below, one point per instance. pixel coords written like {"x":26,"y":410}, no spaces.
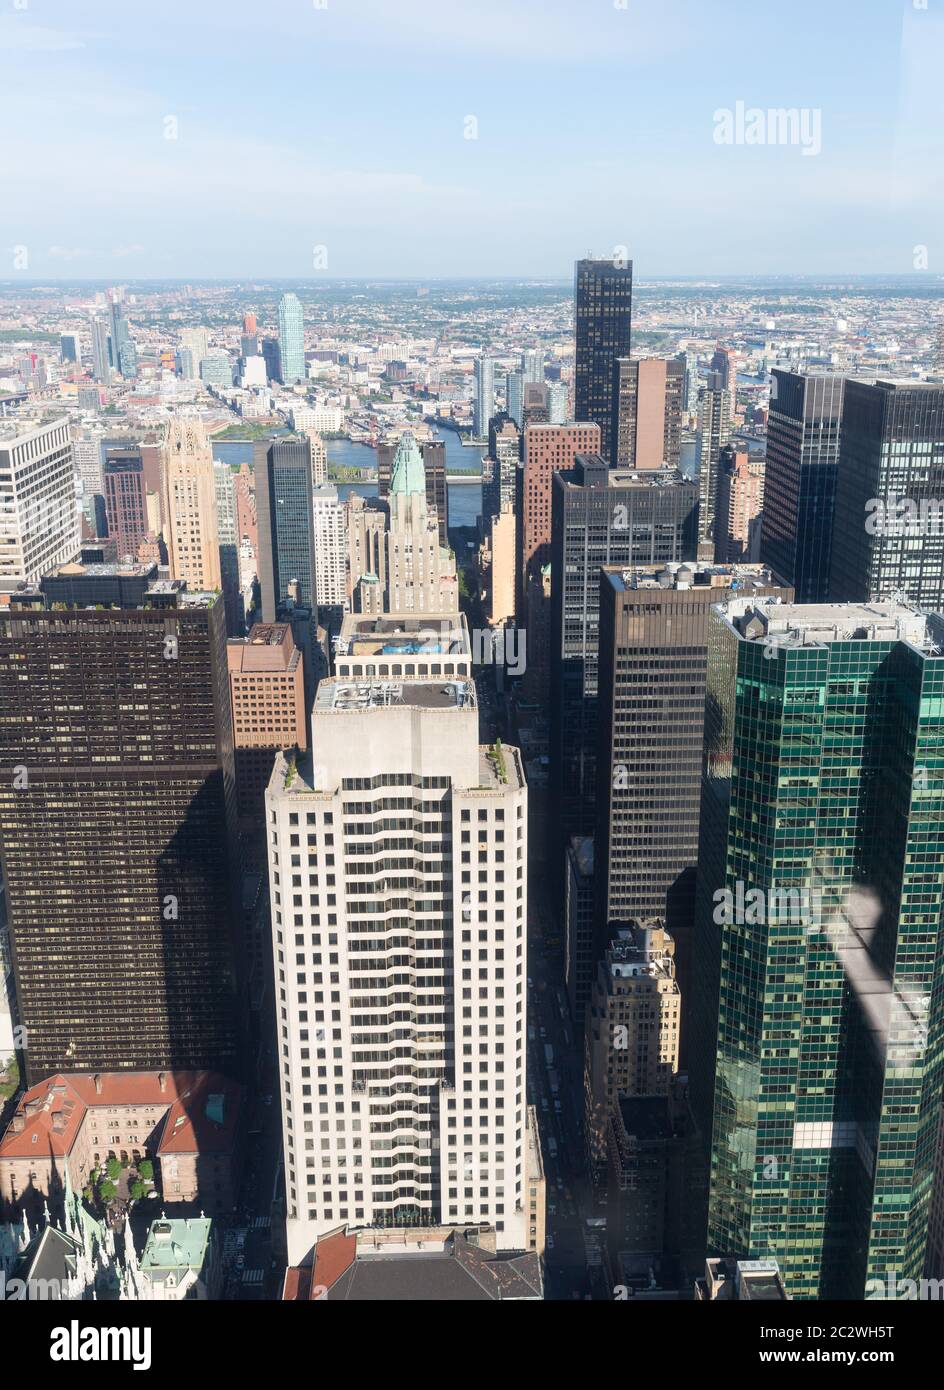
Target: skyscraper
{"x":437,"y":489}
{"x":800,"y":480}
{"x":38,"y":518}
{"x":484,"y":406}
{"x":603,"y":299}
{"x":714,"y":430}
{"x":740,"y":506}
{"x":651,"y":681}
{"x":330,"y":546}
{"x":189,"y":507}
{"x":421,"y":574}
{"x":122,"y":938}
{"x":601,"y":516}
{"x":291,"y":340}
{"x":647,"y":413}
{"x":547,"y":450}
{"x":125,"y":508}
{"x":403,"y":988}
{"x":282,"y":469}
{"x":818,"y":967}
{"x":101,"y":357}
{"x":888,"y":530}
{"x":514,"y":397}
{"x":501,"y":465}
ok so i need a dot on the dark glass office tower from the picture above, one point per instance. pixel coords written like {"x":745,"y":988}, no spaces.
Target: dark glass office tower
{"x":652,"y":676}
{"x":116,"y":801}
{"x":800,"y":480}
{"x":888,"y":535}
{"x":599,"y":516}
{"x":603,"y":302}
{"x":819,"y":908}
{"x":285,"y":511}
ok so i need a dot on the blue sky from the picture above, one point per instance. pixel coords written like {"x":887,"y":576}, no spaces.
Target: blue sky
{"x":343,"y":127}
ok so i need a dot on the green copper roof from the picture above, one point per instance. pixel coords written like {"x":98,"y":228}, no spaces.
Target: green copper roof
{"x":409,"y":474}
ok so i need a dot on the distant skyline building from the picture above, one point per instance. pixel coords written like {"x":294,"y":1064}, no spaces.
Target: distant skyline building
{"x":421,"y":573}
{"x":330,"y":546}
{"x":286,"y":558}
{"x":437,"y":488}
{"x":291,"y":340}
{"x":802,"y":462}
{"x":101,"y":354}
{"x":514,"y":397}
{"x":189,"y":507}
{"x":125,"y":509}
{"x":714,"y":431}
{"x":547,"y":450}
{"x":740,"y":506}
{"x":888,"y":531}
{"x":484,"y":405}
{"x":603,"y":300}
{"x":647,"y":413}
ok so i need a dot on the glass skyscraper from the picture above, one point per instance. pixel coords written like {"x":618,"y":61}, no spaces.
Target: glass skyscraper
{"x":282,"y":469}
{"x":603,"y":300}
{"x":291,"y":340}
{"x":800,"y":480}
{"x":888,"y":536}
{"x":818,"y":957}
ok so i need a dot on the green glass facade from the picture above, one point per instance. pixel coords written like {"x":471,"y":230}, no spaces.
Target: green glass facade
{"x":824,"y":773}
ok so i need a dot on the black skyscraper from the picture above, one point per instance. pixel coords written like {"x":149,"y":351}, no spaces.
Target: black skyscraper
{"x":888,"y":536}
{"x":599,"y":516}
{"x":116,"y":801}
{"x":282,"y":469}
{"x":800,"y":480}
{"x":603,"y":300}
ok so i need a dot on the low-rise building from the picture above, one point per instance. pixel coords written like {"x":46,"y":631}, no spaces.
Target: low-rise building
{"x":189,"y":1122}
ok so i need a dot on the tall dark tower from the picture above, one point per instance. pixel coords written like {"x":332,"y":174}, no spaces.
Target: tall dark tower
{"x":800,"y":480}
{"x":888,"y":534}
{"x":116,"y":801}
{"x":603,"y":301}
{"x":282,"y":469}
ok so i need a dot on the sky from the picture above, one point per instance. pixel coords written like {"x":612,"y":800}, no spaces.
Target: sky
{"x":440,"y":138}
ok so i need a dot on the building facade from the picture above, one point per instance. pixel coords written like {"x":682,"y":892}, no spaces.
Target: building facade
{"x":603,"y":302}
{"x":397,"y":867}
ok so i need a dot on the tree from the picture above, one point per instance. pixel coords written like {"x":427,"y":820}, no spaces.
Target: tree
{"x":146,"y":1169}
{"x":138,"y":1190}
{"x":113,"y":1168}
{"x":107,"y":1191}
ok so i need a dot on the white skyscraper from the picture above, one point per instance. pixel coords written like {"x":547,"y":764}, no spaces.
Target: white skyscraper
{"x":484,"y":406}
{"x":330,"y":545}
{"x":397,"y":865}
{"x":38,"y":514}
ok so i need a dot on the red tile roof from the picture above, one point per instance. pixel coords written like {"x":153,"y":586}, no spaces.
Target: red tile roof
{"x":50,"y":1114}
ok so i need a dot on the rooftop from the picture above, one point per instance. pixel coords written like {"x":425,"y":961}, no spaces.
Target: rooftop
{"x":690,"y":574}
{"x":428,"y":1266}
{"x":819,"y":624}
{"x":434,"y":633}
{"x":346,"y":695}
{"x":201,"y":1110}
{"x":176,"y":1244}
